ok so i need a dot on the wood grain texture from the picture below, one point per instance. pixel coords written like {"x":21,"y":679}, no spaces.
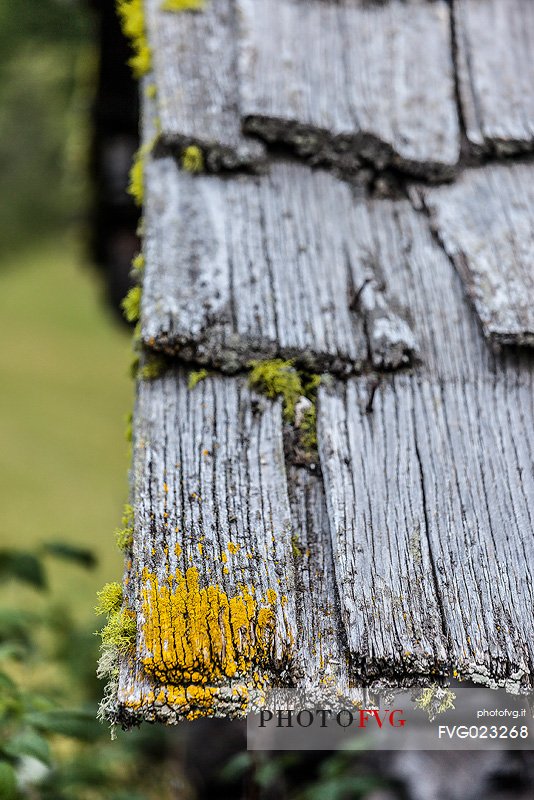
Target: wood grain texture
{"x":494,"y":43}
{"x":430,"y":493}
{"x":377,"y":512}
{"x":485,"y":222}
{"x":322,"y":644}
{"x":349,"y":81}
{"x":212,"y":532}
{"x":195,"y":71}
{"x":263,"y":266}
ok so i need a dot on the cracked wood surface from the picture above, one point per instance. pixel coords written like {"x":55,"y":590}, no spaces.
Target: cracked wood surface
{"x":321,"y":641}
{"x":263,"y":266}
{"x":345,"y":81}
{"x":195,"y":72}
{"x":486,"y":223}
{"x":431,"y":499}
{"x":212,"y":548}
{"x":429,"y":484}
{"x":494,"y":45}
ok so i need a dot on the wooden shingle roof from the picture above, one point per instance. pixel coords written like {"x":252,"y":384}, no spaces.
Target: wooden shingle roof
{"x":397,"y":548}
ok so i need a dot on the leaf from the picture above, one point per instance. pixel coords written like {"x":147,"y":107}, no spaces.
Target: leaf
{"x":8,"y":781}
{"x":79,"y":555}
{"x":29,"y":743}
{"x":236,"y":767}
{"x":76,"y":724}
{"x":22,"y":566}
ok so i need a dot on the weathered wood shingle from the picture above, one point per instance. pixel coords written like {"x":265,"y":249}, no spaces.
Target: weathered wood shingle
{"x":486,"y":223}
{"x":494,"y":43}
{"x":263,"y":266}
{"x":211,"y":574}
{"x":195,"y":74}
{"x":344,"y":80}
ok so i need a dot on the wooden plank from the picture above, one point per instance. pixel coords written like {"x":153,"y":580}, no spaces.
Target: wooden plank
{"x":345,"y":82}
{"x":195,"y":71}
{"x":494,"y":43}
{"x":423,"y":283}
{"x":212,"y":576}
{"x":431,"y":499}
{"x":321,"y":641}
{"x":265,"y":266}
{"x":376,"y":507}
{"x":485,"y":222}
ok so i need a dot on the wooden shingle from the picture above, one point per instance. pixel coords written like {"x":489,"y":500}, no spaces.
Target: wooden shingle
{"x":345,"y":82}
{"x":485,"y":221}
{"x":262,"y":266}
{"x":494,"y":43}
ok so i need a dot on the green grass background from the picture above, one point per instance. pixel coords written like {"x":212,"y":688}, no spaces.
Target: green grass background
{"x":65,"y":393}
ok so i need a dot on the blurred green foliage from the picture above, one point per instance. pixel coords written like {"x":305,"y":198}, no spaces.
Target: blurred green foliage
{"x":46,"y":64}
{"x":51,"y":746}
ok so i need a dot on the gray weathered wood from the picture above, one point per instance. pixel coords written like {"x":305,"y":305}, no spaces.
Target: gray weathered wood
{"x":348,"y":80}
{"x":321,"y":641}
{"x":431,"y":496}
{"x":377,"y":512}
{"x":420,"y":277}
{"x":486,"y":224}
{"x":212,"y":523}
{"x":263,"y":266}
{"x":195,"y":71}
{"x":494,"y":44}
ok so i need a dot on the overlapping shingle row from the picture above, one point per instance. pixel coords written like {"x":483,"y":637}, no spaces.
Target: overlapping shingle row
{"x":398,"y":548}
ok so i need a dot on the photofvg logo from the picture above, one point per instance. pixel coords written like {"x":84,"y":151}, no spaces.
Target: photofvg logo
{"x":323,"y":718}
{"x":436,"y":718}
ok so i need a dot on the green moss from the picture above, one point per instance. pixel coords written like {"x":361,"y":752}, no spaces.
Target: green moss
{"x":195,"y":377}
{"x":131,"y":304}
{"x":120,"y":631}
{"x":278,"y":378}
{"x":128,"y":430}
{"x":152,"y":367}
{"x":297,"y":552}
{"x":182,"y":5}
{"x":193,"y":159}
{"x":124,"y":535}
{"x":132,"y":17}
{"x":138,"y":265}
{"x":308,"y":429}
{"x":134,"y":367}
{"x":109,"y":599}
{"x":136,"y":184}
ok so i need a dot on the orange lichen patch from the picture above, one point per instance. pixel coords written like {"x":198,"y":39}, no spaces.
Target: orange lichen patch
{"x":191,"y":702}
{"x":177,"y":550}
{"x":233,"y":548}
{"x":196,"y":635}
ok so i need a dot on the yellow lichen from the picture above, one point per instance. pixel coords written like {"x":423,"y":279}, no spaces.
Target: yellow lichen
{"x":196,"y":634}
{"x":435,"y":700}
{"x":132,"y":17}
{"x":233,"y":548}
{"x":192,"y":159}
{"x":151,"y":91}
{"x":182,"y":5}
